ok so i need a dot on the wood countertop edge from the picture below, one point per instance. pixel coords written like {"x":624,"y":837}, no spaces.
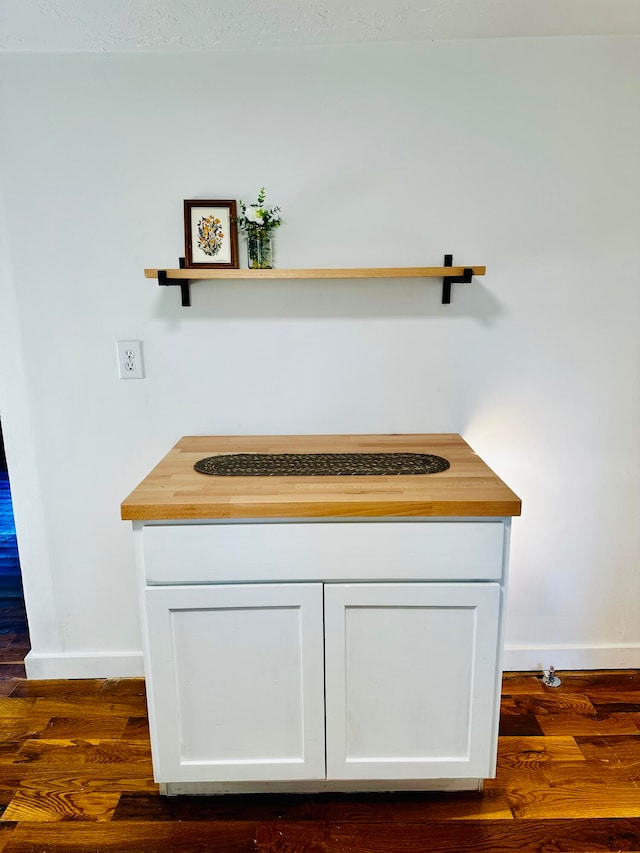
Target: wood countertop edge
{"x":309,"y":510}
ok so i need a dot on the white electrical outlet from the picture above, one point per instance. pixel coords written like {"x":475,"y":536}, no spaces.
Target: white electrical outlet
{"x":130,"y":364}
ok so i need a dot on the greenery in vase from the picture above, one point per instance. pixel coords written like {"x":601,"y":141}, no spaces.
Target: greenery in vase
{"x":259,"y":249}
{"x":258,"y":221}
{"x":256,"y":216}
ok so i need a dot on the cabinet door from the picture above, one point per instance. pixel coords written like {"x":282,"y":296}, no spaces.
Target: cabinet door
{"x":236,"y":682}
{"x":410,"y":680}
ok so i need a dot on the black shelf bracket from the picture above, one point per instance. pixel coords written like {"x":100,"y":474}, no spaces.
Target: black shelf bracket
{"x":183,"y":284}
{"x":448,"y":280}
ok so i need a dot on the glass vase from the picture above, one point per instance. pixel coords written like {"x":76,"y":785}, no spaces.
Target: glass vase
{"x":259,"y":249}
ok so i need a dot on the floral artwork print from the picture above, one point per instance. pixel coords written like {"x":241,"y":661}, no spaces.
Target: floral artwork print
{"x":210,"y":235}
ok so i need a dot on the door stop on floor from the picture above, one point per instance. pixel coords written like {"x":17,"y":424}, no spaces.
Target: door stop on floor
{"x":550,"y":678}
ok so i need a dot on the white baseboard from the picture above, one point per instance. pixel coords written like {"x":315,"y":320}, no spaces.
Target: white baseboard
{"x":526,"y":658}
{"x":516,"y":659}
{"x":75,"y":665}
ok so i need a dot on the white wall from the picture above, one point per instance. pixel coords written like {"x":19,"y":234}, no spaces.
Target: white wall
{"x":518,"y":154}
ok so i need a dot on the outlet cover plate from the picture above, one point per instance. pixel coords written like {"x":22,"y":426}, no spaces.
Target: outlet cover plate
{"x":130,"y":363}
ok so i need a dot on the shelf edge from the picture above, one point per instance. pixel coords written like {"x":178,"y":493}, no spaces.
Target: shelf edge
{"x":350,"y":273}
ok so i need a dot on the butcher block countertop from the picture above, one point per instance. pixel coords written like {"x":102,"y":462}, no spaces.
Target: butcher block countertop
{"x":173,"y":490}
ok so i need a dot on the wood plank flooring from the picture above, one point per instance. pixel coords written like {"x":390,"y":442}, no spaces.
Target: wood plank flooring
{"x":75,"y":776}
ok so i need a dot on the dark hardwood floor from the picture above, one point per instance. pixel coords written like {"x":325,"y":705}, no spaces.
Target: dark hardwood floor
{"x":75,"y":776}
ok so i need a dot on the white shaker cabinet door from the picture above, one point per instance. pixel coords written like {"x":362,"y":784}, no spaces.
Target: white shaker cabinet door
{"x":410,"y":680}
{"x":236,"y":682}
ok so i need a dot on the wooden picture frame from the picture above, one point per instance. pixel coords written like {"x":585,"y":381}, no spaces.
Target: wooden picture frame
{"x":210,"y":234}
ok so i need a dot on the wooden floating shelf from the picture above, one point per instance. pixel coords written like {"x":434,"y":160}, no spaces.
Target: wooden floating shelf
{"x":364,"y":272}
{"x":448,"y":273}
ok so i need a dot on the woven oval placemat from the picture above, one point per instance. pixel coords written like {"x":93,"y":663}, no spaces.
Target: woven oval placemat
{"x":320,"y":464}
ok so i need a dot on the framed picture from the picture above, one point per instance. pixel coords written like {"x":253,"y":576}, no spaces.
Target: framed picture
{"x":211,"y":234}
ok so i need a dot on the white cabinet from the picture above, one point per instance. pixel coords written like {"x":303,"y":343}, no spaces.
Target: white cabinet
{"x":410,"y":671}
{"x":237,"y":681}
{"x":322,"y":633}
{"x":323,"y":656}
